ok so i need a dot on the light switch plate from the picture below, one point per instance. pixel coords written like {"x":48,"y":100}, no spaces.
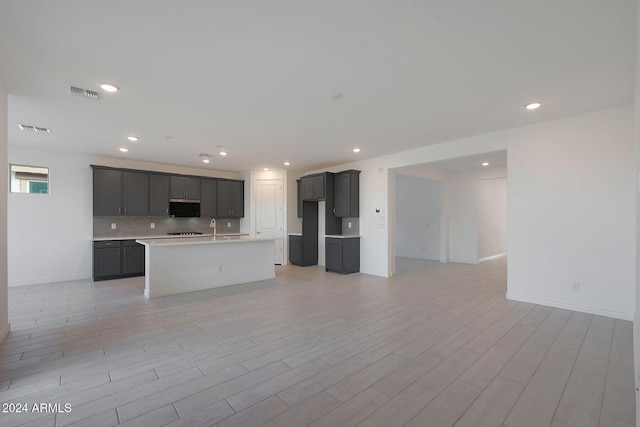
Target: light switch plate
{"x":113,"y":225}
{"x":153,"y":225}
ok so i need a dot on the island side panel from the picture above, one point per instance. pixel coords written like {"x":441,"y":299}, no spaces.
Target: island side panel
{"x":173,"y":269}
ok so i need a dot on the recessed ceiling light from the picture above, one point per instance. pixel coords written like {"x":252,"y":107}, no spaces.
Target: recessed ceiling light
{"x":205,"y":160}
{"x":266,"y":169}
{"x":133,"y":138}
{"x":533,"y":106}
{"x":108,"y":87}
{"x":223,"y":153}
{"x":485,"y":164}
{"x":356,"y":150}
{"x":287,"y":163}
{"x":124,"y":150}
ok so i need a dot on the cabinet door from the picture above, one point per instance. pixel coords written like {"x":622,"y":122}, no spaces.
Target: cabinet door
{"x":106,"y":262}
{"x":313,"y":187}
{"x":208,"y":197}
{"x":236,"y":198}
{"x":318,"y":187}
{"x":295,"y":250}
{"x":177,"y":187}
{"x":300,"y":197}
{"x":136,"y":193}
{"x":333,"y":254}
{"x":230,"y":199}
{"x":347,"y":194}
{"x":307,"y":189}
{"x":107,"y":192}
{"x":133,"y":260}
{"x":191,"y":188}
{"x":158,"y":195}
{"x":224,"y":194}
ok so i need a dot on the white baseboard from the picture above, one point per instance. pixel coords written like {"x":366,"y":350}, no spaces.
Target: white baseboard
{"x":379,"y":273}
{"x":464,"y":261}
{"x":573,"y":307}
{"x":488,"y":258}
{"x":40,"y":281}
{"x":4,"y":332}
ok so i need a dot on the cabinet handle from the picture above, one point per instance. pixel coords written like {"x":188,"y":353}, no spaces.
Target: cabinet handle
{"x":119,"y":210}
{"x":125,"y":210}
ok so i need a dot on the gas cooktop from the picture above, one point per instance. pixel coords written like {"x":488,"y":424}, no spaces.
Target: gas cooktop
{"x":185,"y":233}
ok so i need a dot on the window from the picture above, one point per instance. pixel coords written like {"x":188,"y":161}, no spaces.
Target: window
{"x":29,"y":179}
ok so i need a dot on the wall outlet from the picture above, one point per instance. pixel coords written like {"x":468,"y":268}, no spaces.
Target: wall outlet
{"x":349,"y":224}
{"x":113,"y":225}
{"x":153,"y":225}
{"x":575,"y":286}
{"x":228,"y":225}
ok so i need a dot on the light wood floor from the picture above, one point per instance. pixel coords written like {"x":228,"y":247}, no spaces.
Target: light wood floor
{"x":437,"y":345}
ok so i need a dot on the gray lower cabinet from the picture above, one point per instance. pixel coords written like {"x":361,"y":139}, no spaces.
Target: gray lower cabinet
{"x":342,"y":255}
{"x":113,"y":259}
{"x":132,"y":258}
{"x":295,"y":249}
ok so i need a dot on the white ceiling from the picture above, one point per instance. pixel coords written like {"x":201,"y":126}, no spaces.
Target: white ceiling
{"x":496,"y":159}
{"x":259,"y":77}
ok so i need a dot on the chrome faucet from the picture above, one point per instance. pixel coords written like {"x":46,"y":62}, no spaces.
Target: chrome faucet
{"x":212,"y":224}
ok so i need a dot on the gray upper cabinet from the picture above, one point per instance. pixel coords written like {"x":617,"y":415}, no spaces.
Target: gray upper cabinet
{"x":313,"y":187}
{"x":230,"y":199}
{"x":208,"y":197}
{"x":136,"y":193}
{"x":158,"y":195}
{"x":185,"y":187}
{"x":346,"y":194}
{"x":144,"y":193}
{"x":107,"y":192}
{"x":299,"y":188}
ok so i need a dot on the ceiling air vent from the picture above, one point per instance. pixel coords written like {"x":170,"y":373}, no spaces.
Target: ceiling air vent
{"x":205,"y":155}
{"x":35,"y":129}
{"x":84,"y":92}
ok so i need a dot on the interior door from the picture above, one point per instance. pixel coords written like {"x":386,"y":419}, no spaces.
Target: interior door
{"x":270,"y":213}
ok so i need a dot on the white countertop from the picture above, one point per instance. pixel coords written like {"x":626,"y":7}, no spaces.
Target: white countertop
{"x":165,"y":236}
{"x":342,"y":236}
{"x":203,"y":240}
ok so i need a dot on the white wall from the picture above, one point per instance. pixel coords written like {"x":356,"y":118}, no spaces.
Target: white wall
{"x":465,"y":226}
{"x":571,"y":208}
{"x":572,"y":213}
{"x":636,"y":319}
{"x":50,"y":235}
{"x":4,"y":185}
{"x":492,"y":217}
{"x":418,"y":217}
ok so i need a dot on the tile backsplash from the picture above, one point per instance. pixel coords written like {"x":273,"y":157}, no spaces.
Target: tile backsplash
{"x":355,"y":226}
{"x":141,"y":226}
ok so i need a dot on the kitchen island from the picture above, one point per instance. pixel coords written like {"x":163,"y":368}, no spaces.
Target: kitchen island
{"x":178,"y":265}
